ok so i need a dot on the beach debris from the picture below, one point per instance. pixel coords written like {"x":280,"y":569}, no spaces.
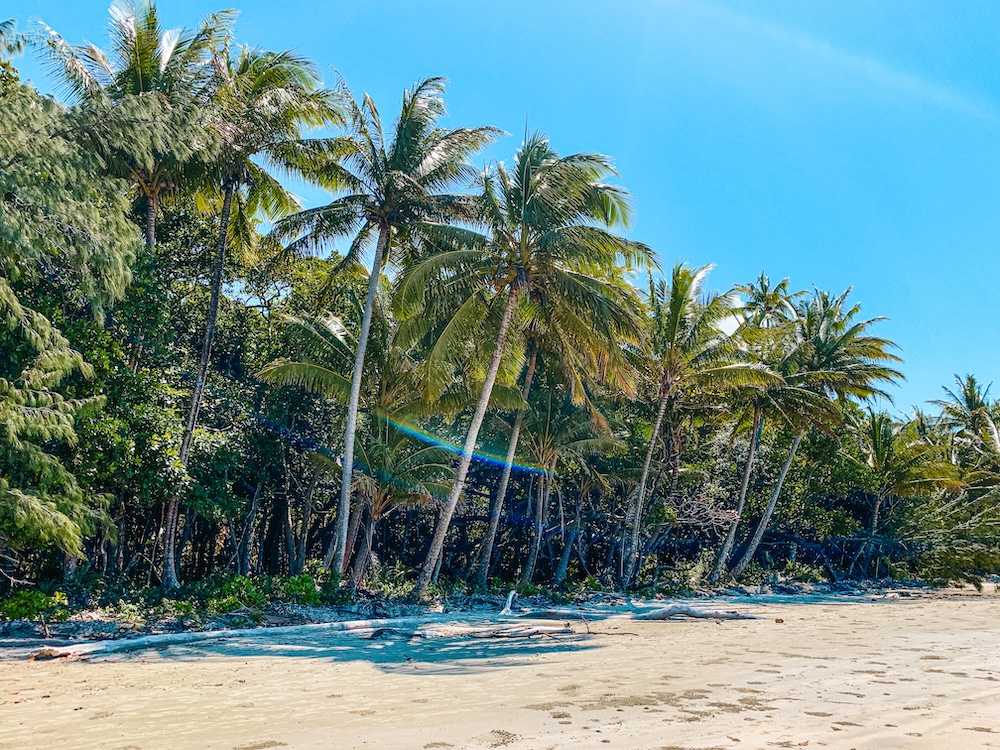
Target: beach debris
{"x":682,"y":610}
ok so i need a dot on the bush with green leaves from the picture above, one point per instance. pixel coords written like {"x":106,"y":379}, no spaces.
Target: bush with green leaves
{"x":30,"y":604}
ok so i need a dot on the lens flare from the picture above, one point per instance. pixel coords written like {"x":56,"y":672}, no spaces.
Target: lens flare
{"x":489,"y":458}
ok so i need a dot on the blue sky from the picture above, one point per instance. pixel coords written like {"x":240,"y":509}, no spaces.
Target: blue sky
{"x":837,"y":143}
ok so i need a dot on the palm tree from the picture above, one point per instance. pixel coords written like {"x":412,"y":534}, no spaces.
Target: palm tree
{"x":691,"y":355}
{"x":390,"y":184}
{"x":768,"y":333}
{"x":902,"y":465}
{"x":549,"y":220}
{"x":394,"y":470}
{"x":158,"y":81}
{"x":588,"y":353}
{"x":263,"y":102}
{"x":837,"y":359}
{"x":967,"y":413}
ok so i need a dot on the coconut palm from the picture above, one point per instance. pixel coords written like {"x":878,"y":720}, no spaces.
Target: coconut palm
{"x":902,"y":465}
{"x":691,"y":355}
{"x":588,"y":353}
{"x":390,"y":183}
{"x":967,"y":413}
{"x":152,"y":77}
{"x":838,"y":359}
{"x":549,"y":220}
{"x":768,"y":334}
{"x":263,"y":103}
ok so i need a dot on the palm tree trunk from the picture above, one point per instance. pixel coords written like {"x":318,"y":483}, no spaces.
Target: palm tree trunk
{"x":496,"y":506}
{"x":872,"y":532}
{"x":727,"y":547}
{"x":541,"y":503}
{"x":630,"y":552}
{"x":768,"y":511}
{"x":444,"y":518}
{"x":302,"y":543}
{"x":567,"y":551}
{"x":169,"y":563}
{"x":151,"y":223}
{"x":344,"y":504}
{"x":361,"y":560}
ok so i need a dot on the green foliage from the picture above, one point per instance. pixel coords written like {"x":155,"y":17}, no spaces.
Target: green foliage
{"x":302,"y":589}
{"x":29,"y":604}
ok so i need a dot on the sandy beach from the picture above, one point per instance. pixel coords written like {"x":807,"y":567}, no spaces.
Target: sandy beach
{"x":896,"y":673}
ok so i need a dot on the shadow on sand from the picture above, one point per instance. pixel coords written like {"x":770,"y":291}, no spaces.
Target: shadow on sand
{"x":387,"y":650}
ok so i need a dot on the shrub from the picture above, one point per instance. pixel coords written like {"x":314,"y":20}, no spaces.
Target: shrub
{"x":29,"y":604}
{"x":302,"y":589}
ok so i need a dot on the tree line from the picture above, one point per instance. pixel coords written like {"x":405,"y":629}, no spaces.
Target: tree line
{"x":445,"y":376}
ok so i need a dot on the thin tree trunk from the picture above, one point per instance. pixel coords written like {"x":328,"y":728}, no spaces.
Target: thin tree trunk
{"x":302,"y":546}
{"x":758,"y":534}
{"x":496,"y":506}
{"x":872,"y":532}
{"x":354,"y":523}
{"x":344,"y":505}
{"x":727,"y":547}
{"x":245,"y":549}
{"x":444,"y":519}
{"x":364,"y":555}
{"x":567,"y":550}
{"x":541,"y":502}
{"x":169,"y":563}
{"x":630,"y":552}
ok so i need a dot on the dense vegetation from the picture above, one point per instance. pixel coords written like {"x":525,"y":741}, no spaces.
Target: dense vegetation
{"x":443,"y":377}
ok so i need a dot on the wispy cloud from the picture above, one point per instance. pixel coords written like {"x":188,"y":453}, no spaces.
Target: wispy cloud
{"x":871,"y":69}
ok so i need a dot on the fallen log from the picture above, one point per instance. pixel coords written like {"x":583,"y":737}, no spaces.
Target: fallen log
{"x":681,"y":610}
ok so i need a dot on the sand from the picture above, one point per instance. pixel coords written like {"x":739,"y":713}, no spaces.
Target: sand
{"x":898,"y":673}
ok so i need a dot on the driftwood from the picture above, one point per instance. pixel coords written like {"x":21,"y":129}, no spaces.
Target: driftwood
{"x":678,"y":610}
{"x":559,"y":614}
{"x":519,"y":632}
{"x":103,"y":648}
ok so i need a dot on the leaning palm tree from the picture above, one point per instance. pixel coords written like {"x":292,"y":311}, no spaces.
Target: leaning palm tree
{"x":390,"y":183}
{"x":588,"y":353}
{"x":549,"y":220}
{"x":148,"y":93}
{"x":691,"y":355}
{"x":263,"y":103}
{"x":838,"y":359}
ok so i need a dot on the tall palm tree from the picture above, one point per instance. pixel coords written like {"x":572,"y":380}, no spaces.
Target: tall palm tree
{"x":691,"y":355}
{"x":838,"y":359}
{"x":588,"y":353}
{"x":549,"y":220}
{"x":390,"y":183}
{"x":158,"y":81}
{"x":263,"y":103}
{"x":768,"y":334}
